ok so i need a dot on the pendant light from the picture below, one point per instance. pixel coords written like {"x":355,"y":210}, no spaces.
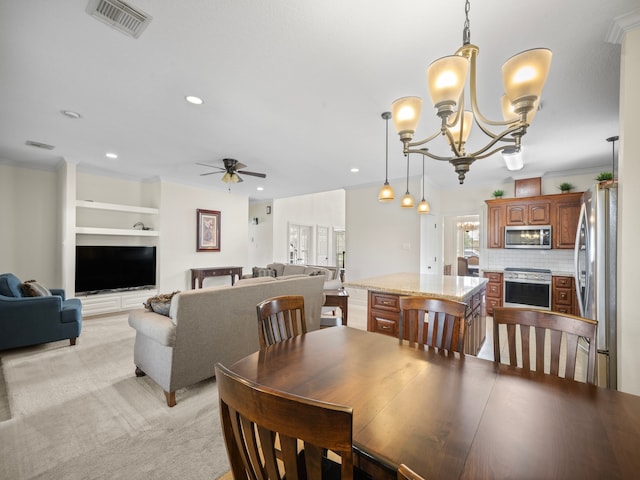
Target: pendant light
{"x":407,"y":199}
{"x":423,"y":206}
{"x":386,"y":192}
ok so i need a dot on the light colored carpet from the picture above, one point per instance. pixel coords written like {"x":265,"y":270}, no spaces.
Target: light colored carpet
{"x":80,"y":413}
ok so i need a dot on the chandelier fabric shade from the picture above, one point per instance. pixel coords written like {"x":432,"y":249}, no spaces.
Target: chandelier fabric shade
{"x":523,"y":75}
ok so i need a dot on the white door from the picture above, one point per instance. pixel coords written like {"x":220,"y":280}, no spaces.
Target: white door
{"x":322,"y":245}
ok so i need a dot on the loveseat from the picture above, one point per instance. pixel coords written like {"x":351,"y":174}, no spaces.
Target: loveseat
{"x":210,"y":325}
{"x":32,"y":320}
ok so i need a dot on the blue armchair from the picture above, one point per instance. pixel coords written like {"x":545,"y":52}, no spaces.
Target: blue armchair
{"x":34,"y":320}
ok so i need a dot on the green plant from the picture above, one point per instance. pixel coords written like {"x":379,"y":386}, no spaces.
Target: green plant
{"x":565,"y":186}
{"x":498,"y":193}
{"x":604,"y":176}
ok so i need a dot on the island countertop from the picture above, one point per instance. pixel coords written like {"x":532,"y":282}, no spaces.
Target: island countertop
{"x":441,"y":286}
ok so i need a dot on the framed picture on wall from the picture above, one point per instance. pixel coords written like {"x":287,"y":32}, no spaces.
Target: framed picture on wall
{"x":208,"y":231}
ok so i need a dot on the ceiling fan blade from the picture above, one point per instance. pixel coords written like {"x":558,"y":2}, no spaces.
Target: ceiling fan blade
{"x":209,"y":166}
{"x":239,"y":166}
{"x":253,"y":174}
{"x":210,"y":173}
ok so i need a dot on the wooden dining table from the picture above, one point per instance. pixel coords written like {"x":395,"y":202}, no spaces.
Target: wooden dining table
{"x":448,"y":416}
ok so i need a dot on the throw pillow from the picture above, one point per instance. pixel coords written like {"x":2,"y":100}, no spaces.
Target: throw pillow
{"x":263,"y":272}
{"x":31,"y":288}
{"x":160,"y":303}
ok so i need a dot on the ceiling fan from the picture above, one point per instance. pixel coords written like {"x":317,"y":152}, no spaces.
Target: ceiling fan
{"x":231,"y":170}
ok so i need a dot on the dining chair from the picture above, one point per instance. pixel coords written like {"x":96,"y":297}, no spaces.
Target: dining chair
{"x":271,"y":434}
{"x":405,"y":473}
{"x":444,"y":319}
{"x":463,"y":267}
{"x":540,"y":322}
{"x":280,"y":318}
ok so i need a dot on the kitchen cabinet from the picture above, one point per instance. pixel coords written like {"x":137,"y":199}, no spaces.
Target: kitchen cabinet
{"x":529,"y":213}
{"x":560,"y":211}
{"x":494,"y":291}
{"x":495,"y":226}
{"x":384,"y":317}
{"x":563,"y":295}
{"x":566,"y":212}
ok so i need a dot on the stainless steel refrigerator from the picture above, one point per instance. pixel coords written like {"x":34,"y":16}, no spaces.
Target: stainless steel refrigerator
{"x":595,"y":273}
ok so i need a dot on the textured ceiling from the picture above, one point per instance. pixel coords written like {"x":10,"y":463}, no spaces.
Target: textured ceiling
{"x":293,"y":89}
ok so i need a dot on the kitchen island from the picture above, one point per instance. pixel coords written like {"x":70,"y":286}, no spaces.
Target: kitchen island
{"x":384,"y":292}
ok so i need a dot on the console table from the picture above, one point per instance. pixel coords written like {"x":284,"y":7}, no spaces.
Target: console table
{"x":338,"y":298}
{"x":200,"y":274}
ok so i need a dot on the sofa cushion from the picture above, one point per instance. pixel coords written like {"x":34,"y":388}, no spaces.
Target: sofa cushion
{"x":278,"y":267}
{"x":249,"y":281}
{"x":292,"y":269}
{"x":10,"y":285}
{"x":31,"y":288}
{"x":263,"y":272}
{"x":161,"y":303}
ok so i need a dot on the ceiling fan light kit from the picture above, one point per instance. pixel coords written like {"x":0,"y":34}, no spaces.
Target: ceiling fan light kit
{"x":523,"y":76}
{"x":232,"y":168}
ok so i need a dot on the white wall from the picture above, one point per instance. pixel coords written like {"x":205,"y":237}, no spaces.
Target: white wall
{"x":260,"y":234}
{"x":178,"y":227}
{"x":319,"y":209}
{"x":381,"y":238}
{"x":30,"y":240}
{"x":629,"y":232}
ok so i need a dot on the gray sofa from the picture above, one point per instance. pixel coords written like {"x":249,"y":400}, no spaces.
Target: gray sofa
{"x":210,"y":325}
{"x":276,"y":269}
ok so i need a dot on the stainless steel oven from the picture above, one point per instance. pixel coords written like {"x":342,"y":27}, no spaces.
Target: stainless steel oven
{"x":527,"y":287}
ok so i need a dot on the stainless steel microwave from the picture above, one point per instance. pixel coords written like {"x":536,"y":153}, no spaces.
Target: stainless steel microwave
{"x":528,"y":236}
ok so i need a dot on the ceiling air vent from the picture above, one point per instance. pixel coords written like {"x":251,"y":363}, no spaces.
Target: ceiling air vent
{"x":45,"y":146}
{"x":120,"y":16}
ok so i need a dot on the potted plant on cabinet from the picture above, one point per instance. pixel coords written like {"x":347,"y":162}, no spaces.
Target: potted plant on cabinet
{"x":498,"y":193}
{"x":565,"y":187}
{"x":605,"y":177}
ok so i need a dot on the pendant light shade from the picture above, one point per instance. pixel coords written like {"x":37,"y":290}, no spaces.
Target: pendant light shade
{"x":407,"y":200}
{"x":386,"y":192}
{"x":446,"y":78}
{"x":524,"y":75}
{"x":423,"y":206}
{"x":406,"y":113}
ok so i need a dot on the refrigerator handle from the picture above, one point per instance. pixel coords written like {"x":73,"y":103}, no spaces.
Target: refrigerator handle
{"x":576,"y":259}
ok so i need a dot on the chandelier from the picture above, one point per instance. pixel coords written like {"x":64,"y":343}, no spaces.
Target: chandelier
{"x":523,"y":76}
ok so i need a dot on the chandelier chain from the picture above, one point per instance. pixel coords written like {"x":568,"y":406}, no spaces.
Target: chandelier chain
{"x":466,"y":32}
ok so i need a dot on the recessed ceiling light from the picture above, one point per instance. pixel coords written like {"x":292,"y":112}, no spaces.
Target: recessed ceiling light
{"x":111,"y":155}
{"x":355,"y":170}
{"x":193,"y":99}
{"x":71,"y":114}
{"x":260,"y":189}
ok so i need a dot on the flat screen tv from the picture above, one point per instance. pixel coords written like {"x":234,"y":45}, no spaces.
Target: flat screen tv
{"x":101,"y":269}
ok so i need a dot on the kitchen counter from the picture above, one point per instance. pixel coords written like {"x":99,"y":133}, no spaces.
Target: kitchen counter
{"x":383,"y":303}
{"x":441,"y":286}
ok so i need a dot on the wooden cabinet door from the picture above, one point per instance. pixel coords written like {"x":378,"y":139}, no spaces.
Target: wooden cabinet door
{"x":495,"y":226}
{"x":517,"y":214}
{"x":567,"y":212}
{"x":539,"y":213}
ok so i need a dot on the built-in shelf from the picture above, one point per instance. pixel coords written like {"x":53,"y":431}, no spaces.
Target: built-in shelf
{"x":116,"y":207}
{"x":116,"y":231}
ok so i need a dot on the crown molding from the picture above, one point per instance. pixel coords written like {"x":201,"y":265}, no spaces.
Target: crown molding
{"x":621,"y":25}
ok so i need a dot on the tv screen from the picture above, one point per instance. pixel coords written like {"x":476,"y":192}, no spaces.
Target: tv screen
{"x":101,"y":269}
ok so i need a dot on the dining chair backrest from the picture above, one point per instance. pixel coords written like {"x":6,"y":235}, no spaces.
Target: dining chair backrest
{"x":444,"y":321}
{"x":271,"y":434}
{"x":463,"y":267}
{"x":405,"y":473}
{"x":539,"y":322}
{"x":280,"y":318}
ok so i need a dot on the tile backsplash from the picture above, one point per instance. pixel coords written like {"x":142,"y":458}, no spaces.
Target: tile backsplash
{"x":556,"y":260}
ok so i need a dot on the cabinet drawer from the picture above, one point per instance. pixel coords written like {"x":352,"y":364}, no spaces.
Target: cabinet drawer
{"x":493,"y":277}
{"x":381,"y":301}
{"x":494,"y":290}
{"x":562,"y":282}
{"x":563,"y":296}
{"x":384,"y":322}
{"x":561,"y":309}
{"x":493,"y":302}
